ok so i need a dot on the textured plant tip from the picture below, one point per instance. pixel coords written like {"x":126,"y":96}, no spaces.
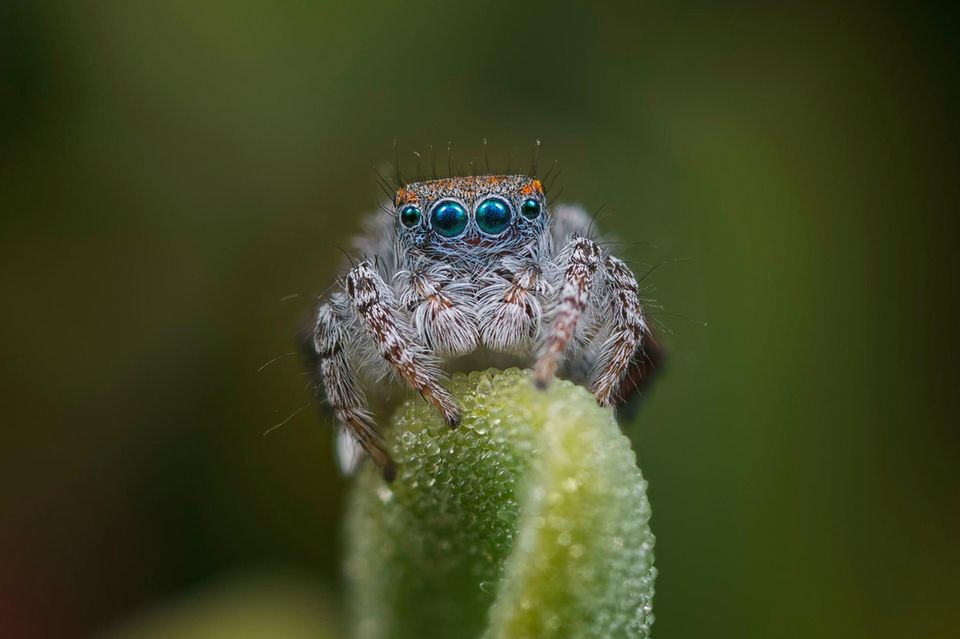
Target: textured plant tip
{"x":530,"y":520}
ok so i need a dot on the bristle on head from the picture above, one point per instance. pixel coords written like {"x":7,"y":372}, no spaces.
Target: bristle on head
{"x":479,"y":168}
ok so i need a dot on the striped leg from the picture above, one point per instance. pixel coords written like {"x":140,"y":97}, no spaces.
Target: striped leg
{"x":340,"y":386}
{"x":627,"y":333}
{"x":580,"y":260}
{"x":374,"y":305}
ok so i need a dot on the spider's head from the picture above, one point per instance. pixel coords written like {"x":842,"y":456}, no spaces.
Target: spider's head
{"x":474,"y":215}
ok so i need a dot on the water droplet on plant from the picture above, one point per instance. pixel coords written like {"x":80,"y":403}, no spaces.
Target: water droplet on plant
{"x":484,"y":386}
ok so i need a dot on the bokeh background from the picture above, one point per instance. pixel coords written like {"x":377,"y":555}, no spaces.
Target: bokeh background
{"x":170,"y":171}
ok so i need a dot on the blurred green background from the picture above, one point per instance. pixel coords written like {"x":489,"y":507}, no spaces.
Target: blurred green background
{"x":170,"y":170}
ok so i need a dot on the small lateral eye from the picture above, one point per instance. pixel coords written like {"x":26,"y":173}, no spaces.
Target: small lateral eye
{"x":410,"y":216}
{"x":493,"y":216}
{"x":530,"y":209}
{"x":449,"y":219}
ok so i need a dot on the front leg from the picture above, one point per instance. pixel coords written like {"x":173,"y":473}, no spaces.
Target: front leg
{"x":374,"y":305}
{"x":579,"y":260}
{"x":586,"y":270}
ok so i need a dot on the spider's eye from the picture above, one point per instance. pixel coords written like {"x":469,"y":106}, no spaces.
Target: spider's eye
{"x":410,"y":216}
{"x":530,"y":209}
{"x":493,"y":216}
{"x":449,"y":219}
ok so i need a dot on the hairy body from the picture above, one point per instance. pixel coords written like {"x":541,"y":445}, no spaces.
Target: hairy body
{"x":468,"y":265}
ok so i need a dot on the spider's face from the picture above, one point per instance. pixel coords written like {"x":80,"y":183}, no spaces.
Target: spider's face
{"x":465,"y":216}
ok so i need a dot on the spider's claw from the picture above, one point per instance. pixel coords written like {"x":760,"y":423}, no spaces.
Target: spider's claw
{"x":543,"y":371}
{"x":389,"y":471}
{"x":453,"y":421}
{"x":452,"y":415}
{"x":445,"y":404}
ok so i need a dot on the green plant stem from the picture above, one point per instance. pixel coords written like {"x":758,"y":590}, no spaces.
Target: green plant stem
{"x":530,"y":520}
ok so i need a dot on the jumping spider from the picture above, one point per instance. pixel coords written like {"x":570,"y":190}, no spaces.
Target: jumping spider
{"x":476,"y":264}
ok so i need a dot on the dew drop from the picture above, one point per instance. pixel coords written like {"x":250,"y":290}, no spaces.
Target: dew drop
{"x":484,"y":386}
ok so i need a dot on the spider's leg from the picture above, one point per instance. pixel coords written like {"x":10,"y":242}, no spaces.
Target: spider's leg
{"x":627,"y":331}
{"x":377,"y":311}
{"x":579,"y":260}
{"x":339,"y":383}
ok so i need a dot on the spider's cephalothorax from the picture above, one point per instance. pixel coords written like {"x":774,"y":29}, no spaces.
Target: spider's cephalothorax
{"x":475,"y":264}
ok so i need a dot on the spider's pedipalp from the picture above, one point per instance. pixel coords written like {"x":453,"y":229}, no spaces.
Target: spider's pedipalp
{"x":441,"y":314}
{"x":510,"y":303}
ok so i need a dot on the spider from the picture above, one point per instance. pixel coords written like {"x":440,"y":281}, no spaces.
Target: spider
{"x":476,"y":265}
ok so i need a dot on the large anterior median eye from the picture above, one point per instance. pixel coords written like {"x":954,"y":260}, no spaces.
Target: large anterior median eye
{"x":449,"y":219}
{"x":493,"y":216}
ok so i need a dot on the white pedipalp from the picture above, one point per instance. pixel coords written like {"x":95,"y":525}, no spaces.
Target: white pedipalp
{"x":510,"y":301}
{"x":441,"y":313}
